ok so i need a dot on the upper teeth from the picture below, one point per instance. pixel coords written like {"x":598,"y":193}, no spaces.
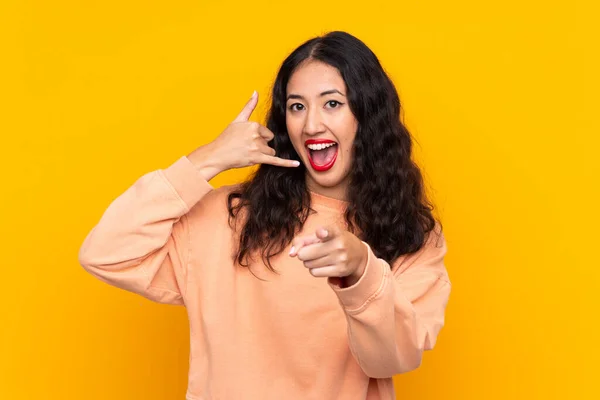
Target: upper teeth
{"x":320,"y":146}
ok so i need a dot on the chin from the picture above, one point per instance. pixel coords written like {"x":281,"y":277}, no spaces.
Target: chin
{"x":330,"y":180}
{"x":327,"y":183}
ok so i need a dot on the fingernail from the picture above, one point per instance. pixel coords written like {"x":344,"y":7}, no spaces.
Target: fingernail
{"x":297,"y":163}
{"x":326,"y":233}
{"x":253,"y":94}
{"x":292,"y":250}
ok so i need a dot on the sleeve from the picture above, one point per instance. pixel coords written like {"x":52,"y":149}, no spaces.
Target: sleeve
{"x":395,"y":313}
{"x":141,"y":242}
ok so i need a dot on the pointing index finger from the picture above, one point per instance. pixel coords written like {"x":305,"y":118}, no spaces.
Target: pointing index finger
{"x":301,"y":242}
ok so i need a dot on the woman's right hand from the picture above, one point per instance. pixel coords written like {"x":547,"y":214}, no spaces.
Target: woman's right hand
{"x":241,"y":144}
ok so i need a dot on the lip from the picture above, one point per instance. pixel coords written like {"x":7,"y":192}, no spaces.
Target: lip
{"x":320,"y":168}
{"x":318,"y":141}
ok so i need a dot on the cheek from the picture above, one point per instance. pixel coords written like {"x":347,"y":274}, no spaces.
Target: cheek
{"x":294,"y":129}
{"x":348,"y":128}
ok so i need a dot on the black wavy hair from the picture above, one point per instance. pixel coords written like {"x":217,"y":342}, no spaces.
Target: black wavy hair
{"x":387,"y":208}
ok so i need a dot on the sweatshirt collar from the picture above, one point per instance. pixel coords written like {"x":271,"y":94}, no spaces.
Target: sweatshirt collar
{"x":329,"y":202}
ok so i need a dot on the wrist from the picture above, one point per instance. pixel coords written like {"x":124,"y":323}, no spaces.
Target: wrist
{"x":207,"y":161}
{"x":354,"y":277}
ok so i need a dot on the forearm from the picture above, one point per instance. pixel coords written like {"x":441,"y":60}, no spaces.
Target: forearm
{"x":392,"y":321}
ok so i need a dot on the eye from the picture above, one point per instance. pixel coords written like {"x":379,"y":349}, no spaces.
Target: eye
{"x":296,"y":107}
{"x":333,"y":104}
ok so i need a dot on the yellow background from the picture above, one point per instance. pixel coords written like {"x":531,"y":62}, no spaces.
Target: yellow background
{"x":500,"y":97}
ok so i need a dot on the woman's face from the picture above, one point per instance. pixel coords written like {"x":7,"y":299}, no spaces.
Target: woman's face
{"x":321,"y":126}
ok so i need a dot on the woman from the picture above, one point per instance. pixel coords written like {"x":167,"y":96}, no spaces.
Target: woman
{"x":336,"y":196}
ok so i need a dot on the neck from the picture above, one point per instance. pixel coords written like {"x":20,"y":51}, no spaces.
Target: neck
{"x":338,"y":192}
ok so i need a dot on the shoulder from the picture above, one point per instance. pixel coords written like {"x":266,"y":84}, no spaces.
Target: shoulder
{"x":216,"y":200}
{"x":429,"y":257}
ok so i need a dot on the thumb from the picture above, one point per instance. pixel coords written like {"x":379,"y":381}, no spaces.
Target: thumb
{"x":326,"y":233}
{"x":248,"y":109}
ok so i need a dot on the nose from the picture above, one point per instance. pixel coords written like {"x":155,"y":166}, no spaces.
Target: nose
{"x":313,"y":123}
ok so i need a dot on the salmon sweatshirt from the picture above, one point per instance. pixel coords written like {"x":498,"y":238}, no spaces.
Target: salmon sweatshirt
{"x":259,"y":335}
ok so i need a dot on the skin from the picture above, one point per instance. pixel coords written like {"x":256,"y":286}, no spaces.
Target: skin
{"x":333,"y":253}
{"x":310,"y":114}
{"x":317,"y":108}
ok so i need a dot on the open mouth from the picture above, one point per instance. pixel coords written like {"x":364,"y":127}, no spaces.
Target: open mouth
{"x":322,"y":153}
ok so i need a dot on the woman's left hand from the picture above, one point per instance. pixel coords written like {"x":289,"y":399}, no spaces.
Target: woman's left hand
{"x":333,"y":253}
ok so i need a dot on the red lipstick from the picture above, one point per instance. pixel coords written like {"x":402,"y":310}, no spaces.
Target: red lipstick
{"x":330,"y":163}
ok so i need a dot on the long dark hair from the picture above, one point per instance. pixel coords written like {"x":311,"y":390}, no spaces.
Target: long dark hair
{"x":387,"y":208}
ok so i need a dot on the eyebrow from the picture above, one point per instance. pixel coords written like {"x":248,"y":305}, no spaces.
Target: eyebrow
{"x":325,"y":93}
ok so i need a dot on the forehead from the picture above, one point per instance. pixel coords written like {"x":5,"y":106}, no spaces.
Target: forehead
{"x":314,"y":77}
